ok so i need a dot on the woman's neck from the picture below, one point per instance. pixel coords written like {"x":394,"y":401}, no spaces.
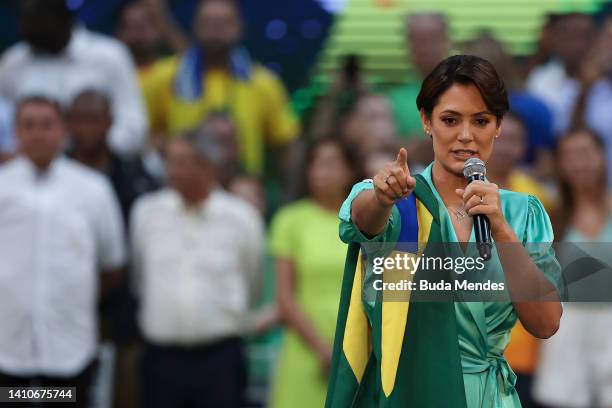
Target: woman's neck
{"x":591,"y":198}
{"x":195,"y":195}
{"x":329,"y":201}
{"x":590,"y":213}
{"x":446,"y":183}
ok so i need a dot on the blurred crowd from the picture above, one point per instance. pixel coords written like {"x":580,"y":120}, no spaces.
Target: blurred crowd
{"x":167,"y":221}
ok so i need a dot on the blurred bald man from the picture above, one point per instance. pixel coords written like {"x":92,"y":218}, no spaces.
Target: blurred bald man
{"x":427,"y":40}
{"x":427,"y":44}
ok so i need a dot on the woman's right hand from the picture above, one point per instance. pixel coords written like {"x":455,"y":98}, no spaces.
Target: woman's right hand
{"x":394,"y":181}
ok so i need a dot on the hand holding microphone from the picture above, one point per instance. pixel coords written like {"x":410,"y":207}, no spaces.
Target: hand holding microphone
{"x":482,"y":201}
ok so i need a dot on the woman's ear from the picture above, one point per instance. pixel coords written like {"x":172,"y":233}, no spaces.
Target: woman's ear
{"x":499,"y":127}
{"x":426,"y":122}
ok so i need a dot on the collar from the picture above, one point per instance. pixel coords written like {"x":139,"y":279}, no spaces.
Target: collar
{"x":78,"y":40}
{"x":31,"y":171}
{"x":200,"y":209}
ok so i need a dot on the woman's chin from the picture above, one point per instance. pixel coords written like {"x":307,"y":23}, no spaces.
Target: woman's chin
{"x":454,"y":167}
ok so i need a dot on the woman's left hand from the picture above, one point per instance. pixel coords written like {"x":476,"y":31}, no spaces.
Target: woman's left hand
{"x":480,"y":197}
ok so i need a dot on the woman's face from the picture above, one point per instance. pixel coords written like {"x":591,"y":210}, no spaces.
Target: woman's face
{"x":372,"y":116}
{"x":580,"y":160}
{"x":462,"y":127}
{"x":328,"y":172}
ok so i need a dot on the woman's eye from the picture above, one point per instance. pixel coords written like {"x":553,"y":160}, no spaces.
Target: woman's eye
{"x":449,"y":121}
{"x":482,"y":122}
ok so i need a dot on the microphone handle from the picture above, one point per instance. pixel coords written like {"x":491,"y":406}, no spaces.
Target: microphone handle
{"x":482,"y":229}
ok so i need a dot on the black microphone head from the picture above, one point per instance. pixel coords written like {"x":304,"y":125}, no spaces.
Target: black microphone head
{"x":474,"y":166}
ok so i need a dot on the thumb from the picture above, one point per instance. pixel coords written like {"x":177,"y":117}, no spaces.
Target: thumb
{"x":402,"y":159}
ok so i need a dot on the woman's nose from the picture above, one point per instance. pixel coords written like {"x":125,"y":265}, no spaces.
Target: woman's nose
{"x":465,"y":134}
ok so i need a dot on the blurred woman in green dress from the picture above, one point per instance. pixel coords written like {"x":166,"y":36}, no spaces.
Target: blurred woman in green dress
{"x":309,"y":262}
{"x":462,"y":104}
{"x":575,"y":366}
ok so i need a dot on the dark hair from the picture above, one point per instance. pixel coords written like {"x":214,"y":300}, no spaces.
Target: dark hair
{"x":464,"y":69}
{"x":55,"y":8}
{"x":90,"y":94}
{"x":39,"y":99}
{"x":348,"y":154}
{"x":573,"y":14}
{"x":567,"y":202}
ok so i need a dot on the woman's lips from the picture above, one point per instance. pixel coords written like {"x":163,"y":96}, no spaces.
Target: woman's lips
{"x":464,"y":154}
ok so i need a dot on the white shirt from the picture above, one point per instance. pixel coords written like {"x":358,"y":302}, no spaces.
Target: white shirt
{"x":90,"y":61}
{"x":57,"y":230}
{"x":195,"y":267}
{"x":560,"y":93}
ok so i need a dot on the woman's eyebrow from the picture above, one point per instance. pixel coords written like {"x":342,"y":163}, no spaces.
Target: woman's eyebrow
{"x":453,"y":112}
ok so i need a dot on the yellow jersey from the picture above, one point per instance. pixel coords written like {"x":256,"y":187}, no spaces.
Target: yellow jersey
{"x":259,"y":107}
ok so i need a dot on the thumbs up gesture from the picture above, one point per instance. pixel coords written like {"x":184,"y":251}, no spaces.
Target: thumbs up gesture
{"x":394,"y":181}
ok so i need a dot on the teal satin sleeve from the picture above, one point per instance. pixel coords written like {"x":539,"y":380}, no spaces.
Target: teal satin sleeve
{"x":349,"y":233}
{"x":484,"y":328}
{"x":538,"y":238}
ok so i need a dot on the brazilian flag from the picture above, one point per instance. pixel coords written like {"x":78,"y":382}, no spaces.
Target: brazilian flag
{"x":408,"y":354}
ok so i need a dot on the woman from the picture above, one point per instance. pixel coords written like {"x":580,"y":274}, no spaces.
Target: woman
{"x":576,"y":365}
{"x":462,"y":103}
{"x":309,"y":259}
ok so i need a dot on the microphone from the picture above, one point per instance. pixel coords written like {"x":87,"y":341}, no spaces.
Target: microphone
{"x":474,"y":169}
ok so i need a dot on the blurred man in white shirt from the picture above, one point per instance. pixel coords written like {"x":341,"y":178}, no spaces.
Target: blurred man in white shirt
{"x":58,"y":59}
{"x":198,"y":252}
{"x":61,"y":239}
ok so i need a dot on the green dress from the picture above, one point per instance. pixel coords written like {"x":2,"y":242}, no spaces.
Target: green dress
{"x":307,"y":234}
{"x":484,"y":327}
